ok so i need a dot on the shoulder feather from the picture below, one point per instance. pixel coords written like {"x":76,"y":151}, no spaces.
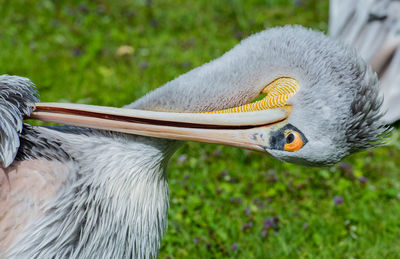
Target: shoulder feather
{"x":17,"y":97}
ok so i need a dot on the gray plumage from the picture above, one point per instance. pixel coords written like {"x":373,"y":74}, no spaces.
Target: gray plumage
{"x":16,"y":96}
{"x":333,"y":81}
{"x":110,"y":198}
{"x":373,"y":28}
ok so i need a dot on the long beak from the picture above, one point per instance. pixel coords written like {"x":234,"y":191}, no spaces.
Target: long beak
{"x":250,"y":130}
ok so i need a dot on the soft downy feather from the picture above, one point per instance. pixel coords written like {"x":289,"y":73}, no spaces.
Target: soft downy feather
{"x":114,"y":204}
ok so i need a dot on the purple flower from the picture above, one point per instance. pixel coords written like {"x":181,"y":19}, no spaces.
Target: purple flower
{"x":182,"y":159}
{"x":346,"y":168}
{"x":269,"y":223}
{"x":258,"y":203}
{"x":264,"y":232}
{"x":218,"y":152}
{"x":363,"y":179}
{"x":247,"y":211}
{"x":77,"y":52}
{"x":83,"y":8}
{"x":298,"y":3}
{"x":234,"y":180}
{"x":236,"y":200}
{"x":338,"y":200}
{"x":247,"y":225}
{"x":143,"y":65}
{"x":234,"y":247}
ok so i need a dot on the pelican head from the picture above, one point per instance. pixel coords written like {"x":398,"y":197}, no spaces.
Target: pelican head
{"x":322,"y":100}
{"x":337,"y":109}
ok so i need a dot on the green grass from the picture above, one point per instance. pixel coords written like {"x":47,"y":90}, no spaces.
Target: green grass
{"x":220,"y":196}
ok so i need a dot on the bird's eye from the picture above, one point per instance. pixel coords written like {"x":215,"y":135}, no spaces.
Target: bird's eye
{"x":290,"y":138}
{"x":293,"y":141}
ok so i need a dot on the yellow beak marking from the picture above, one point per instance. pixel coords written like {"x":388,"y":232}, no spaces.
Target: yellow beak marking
{"x":278,"y":92}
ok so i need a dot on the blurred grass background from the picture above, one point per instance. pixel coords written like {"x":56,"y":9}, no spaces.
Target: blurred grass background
{"x":225,"y":202}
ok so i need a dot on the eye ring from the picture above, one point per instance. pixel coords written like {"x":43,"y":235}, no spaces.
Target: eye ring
{"x":293,"y":141}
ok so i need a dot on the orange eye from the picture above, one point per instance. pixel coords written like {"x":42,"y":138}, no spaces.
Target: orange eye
{"x":293,"y":141}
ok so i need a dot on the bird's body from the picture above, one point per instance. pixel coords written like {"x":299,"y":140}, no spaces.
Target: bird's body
{"x":106,"y":193}
{"x":99,"y":194}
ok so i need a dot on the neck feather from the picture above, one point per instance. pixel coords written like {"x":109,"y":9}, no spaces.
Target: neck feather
{"x":234,"y":79}
{"x":116,"y":208}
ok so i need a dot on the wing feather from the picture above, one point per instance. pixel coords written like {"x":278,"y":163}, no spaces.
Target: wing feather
{"x":373,"y":28}
{"x":25,"y":188}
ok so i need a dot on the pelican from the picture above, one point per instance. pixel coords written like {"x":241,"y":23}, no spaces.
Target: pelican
{"x":100,"y":190}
